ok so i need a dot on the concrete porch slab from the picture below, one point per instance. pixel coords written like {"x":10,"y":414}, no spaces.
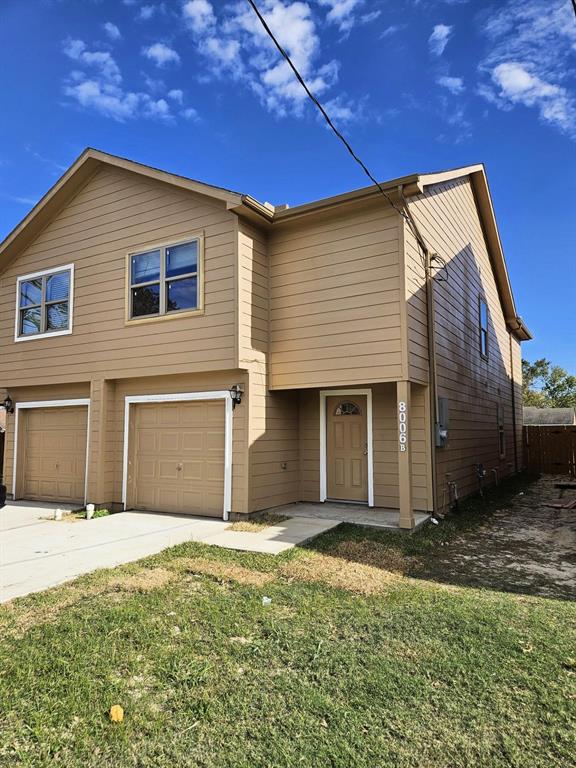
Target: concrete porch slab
{"x":374,"y":517}
{"x":276,"y":538}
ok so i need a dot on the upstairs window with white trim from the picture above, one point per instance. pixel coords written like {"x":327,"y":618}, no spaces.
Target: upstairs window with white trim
{"x":165,"y":281}
{"x":44,"y":304}
{"x":483,"y":327}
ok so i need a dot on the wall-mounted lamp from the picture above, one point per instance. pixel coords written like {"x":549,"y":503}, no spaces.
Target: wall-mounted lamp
{"x":236,"y":393}
{"x":8,"y":404}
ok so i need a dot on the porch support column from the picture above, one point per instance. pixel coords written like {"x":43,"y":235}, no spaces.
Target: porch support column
{"x":404,"y":455}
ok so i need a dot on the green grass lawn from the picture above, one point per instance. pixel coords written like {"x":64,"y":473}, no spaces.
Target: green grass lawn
{"x":355,"y":663}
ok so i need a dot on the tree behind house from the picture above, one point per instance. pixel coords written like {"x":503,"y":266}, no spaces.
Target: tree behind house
{"x":547,"y":386}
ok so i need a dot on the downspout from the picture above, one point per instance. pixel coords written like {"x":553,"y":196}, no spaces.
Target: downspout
{"x":513,"y":387}
{"x":431,"y":342}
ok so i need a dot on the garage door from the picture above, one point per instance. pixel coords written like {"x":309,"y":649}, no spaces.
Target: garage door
{"x":177,"y":458}
{"x":54,"y":454}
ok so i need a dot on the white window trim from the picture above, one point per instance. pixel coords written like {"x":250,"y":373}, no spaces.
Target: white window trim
{"x":369,"y":437}
{"x":50,"y":334}
{"x":180,"y":397}
{"x":50,"y":404}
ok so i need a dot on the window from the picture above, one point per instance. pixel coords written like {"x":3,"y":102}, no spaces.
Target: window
{"x":165,"y":281}
{"x":347,"y":409}
{"x":501,"y":434}
{"x":483,"y":317}
{"x":44,"y":303}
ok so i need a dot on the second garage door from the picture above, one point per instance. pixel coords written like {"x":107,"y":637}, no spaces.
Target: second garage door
{"x":176,"y":461}
{"x":54,"y":454}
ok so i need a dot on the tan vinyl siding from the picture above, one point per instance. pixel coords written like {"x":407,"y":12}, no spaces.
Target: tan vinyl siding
{"x":273,"y":446}
{"x":448,"y":218}
{"x":334,"y":300}
{"x":117,"y":212}
{"x":416,"y":309}
{"x":273,"y":418}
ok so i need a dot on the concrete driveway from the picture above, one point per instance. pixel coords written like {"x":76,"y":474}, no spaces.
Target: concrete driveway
{"x":37,"y":552}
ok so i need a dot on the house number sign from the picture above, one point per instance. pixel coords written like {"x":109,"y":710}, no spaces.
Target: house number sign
{"x":403,"y":426}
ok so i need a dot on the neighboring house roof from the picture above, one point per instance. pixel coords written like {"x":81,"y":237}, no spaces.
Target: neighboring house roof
{"x":549,"y":416}
{"x":408,"y":186}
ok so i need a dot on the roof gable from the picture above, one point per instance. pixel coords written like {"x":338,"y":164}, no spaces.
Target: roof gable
{"x":79,"y":174}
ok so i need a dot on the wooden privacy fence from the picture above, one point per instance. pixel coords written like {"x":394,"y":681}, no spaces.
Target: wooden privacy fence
{"x":550,"y":450}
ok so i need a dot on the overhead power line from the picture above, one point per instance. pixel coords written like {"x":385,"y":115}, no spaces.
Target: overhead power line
{"x":325,"y":115}
{"x":404,"y":212}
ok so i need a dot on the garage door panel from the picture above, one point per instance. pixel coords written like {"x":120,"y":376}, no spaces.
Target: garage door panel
{"x":54,"y":453}
{"x":193,"y":470}
{"x":178,"y":464}
{"x":167,"y":470}
{"x":215,"y":442}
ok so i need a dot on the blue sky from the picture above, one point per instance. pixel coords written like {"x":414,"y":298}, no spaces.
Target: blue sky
{"x":417,"y":85}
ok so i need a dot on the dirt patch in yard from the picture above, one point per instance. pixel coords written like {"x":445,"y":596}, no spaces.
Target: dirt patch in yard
{"x":377,"y":554}
{"x":341,"y":573}
{"x":225,"y":571}
{"x":524,"y":547}
{"x":146,"y":580}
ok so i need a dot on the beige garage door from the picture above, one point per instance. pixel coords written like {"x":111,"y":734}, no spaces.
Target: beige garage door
{"x":54,"y":455}
{"x":176,"y":461}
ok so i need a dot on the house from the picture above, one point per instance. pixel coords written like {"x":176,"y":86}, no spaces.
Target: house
{"x":548,"y":417}
{"x":170,"y":345}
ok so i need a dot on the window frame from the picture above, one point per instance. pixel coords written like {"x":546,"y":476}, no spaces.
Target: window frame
{"x":41,"y":274}
{"x":163,"y":281}
{"x":483,"y":332}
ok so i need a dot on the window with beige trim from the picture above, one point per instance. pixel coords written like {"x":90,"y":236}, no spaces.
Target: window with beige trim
{"x":165,"y":280}
{"x":483,"y":327}
{"x":44,"y":303}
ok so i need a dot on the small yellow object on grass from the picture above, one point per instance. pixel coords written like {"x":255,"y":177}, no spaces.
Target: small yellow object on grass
{"x":116,"y":713}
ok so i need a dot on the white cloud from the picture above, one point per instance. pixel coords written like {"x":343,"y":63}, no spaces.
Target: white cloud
{"x":108,"y":99}
{"x":393,"y":29}
{"x":454,"y":84}
{"x":112,"y":31}
{"x":146,"y":12}
{"x":237,"y":48}
{"x":176,"y":95}
{"x":161,"y":54}
{"x":101,"y":60}
{"x":223,"y":52}
{"x":102,"y":89}
{"x":342,"y":12}
{"x":531,"y":60}
{"x":190,"y":114}
{"x":348,"y":13}
{"x":199,"y":15}
{"x":519,"y":86}
{"x":439,"y":38}
{"x":158,"y":108}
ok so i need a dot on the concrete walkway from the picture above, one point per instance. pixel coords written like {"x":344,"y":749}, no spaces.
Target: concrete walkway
{"x":37,"y":552}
